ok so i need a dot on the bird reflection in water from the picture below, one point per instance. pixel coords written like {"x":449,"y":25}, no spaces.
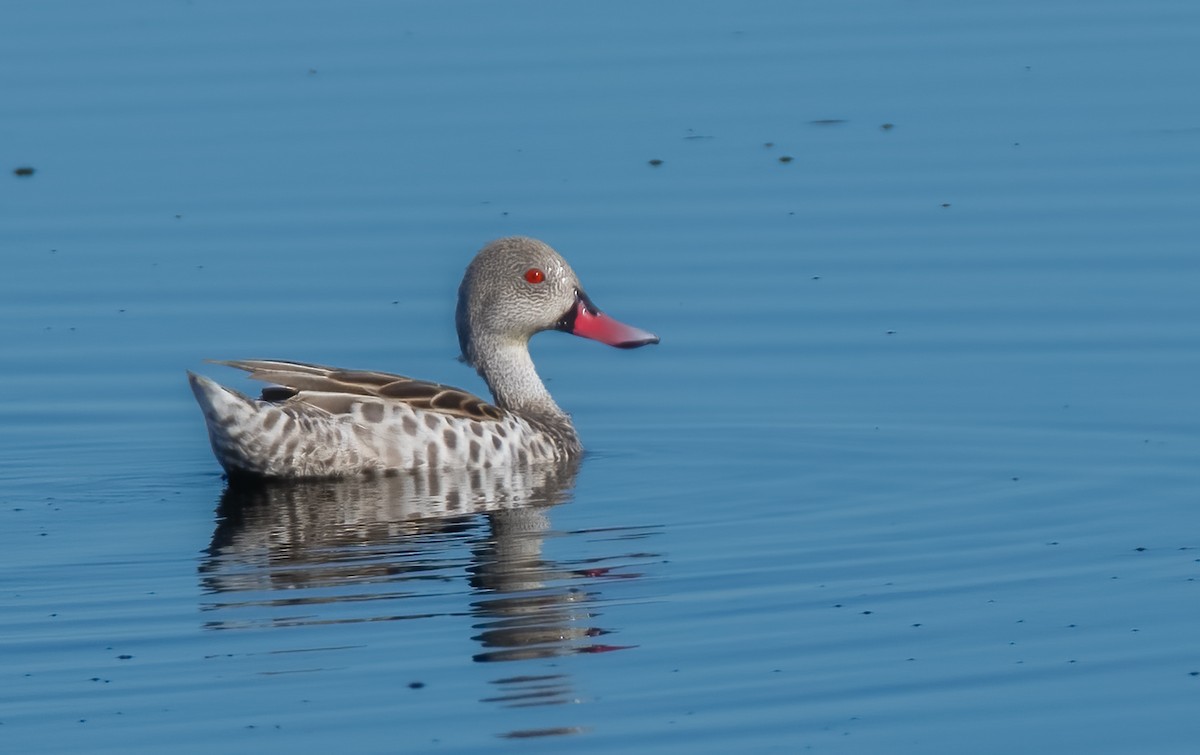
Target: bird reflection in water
{"x":397,"y":548}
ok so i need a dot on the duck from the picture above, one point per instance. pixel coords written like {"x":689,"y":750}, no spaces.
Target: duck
{"x":312,"y":421}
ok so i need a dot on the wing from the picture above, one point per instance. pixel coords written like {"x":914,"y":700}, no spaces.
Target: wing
{"x":334,"y":390}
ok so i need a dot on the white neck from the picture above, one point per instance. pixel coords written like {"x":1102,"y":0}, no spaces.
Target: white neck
{"x":509,"y":372}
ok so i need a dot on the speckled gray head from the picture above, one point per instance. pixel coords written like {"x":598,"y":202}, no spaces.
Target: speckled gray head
{"x":519,"y":286}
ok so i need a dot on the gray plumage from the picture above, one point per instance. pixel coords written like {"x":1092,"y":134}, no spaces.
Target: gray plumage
{"x":317,"y":421}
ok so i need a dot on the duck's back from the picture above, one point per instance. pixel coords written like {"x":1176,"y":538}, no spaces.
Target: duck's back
{"x":319,"y":421}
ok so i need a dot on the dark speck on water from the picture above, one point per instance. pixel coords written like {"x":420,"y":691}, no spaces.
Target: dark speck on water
{"x":656,"y":162}
{"x":23,"y":171}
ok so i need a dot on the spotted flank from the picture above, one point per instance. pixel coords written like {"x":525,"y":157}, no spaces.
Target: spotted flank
{"x":323,"y":430}
{"x":313,"y":421}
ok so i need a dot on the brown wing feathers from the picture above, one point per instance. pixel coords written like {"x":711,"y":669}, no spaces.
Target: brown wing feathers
{"x":336,"y":388}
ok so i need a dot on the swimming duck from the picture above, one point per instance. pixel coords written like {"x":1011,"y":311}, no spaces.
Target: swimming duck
{"x":317,"y":421}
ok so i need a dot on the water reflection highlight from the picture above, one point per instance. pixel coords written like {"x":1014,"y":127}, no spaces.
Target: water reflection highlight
{"x":468,"y":544}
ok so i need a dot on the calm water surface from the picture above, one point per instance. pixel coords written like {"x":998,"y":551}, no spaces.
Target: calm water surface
{"x":914,"y":468}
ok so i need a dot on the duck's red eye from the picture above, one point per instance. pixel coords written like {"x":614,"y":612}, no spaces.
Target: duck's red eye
{"x":534,"y":275}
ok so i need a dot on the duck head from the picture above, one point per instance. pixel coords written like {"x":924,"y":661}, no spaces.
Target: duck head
{"x":516,"y":287}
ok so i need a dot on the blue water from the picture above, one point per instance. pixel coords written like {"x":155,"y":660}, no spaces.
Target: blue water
{"x":914,"y":468}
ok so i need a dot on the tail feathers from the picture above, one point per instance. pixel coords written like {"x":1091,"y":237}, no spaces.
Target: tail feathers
{"x":228,"y":413}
